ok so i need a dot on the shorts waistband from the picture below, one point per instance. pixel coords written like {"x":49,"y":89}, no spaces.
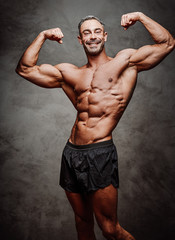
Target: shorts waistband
{"x":92,"y":145}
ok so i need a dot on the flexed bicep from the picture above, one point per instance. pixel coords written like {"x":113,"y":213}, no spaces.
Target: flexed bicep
{"x":149,"y":56}
{"x":45,"y":75}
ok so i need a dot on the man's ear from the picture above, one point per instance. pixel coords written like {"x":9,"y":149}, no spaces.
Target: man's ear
{"x":105,"y":36}
{"x":79,"y":39}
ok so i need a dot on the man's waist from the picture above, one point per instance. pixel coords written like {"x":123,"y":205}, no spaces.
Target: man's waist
{"x":91,"y":145}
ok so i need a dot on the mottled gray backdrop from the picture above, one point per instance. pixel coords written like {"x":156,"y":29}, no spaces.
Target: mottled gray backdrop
{"x":36,"y":122}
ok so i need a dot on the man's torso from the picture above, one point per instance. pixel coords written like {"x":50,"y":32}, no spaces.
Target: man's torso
{"x":100,"y":96}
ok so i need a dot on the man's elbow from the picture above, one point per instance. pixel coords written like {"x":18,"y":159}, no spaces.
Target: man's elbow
{"x":18,"y":69}
{"x":21,"y":70}
{"x":171,"y":43}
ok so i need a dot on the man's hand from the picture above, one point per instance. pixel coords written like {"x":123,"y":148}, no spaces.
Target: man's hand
{"x":129,"y":19}
{"x":54,"y":34}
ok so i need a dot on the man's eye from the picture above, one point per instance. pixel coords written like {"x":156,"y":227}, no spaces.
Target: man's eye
{"x":86,"y":33}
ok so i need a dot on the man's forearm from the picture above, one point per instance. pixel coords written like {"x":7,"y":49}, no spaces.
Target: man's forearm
{"x":30,"y":56}
{"x":158,"y":33}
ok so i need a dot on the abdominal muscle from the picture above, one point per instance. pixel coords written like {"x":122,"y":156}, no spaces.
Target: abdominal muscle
{"x":83,"y":134}
{"x":98,"y":114}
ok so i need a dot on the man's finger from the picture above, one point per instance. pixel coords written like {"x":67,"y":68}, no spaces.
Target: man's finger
{"x":122,"y":20}
{"x":60,"y":41}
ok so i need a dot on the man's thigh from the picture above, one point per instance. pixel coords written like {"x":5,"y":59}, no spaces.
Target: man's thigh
{"x":81,"y":205}
{"x":104,"y":203}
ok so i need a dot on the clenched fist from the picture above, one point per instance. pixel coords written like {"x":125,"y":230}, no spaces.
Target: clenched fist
{"x":54,"y":34}
{"x":129,"y":19}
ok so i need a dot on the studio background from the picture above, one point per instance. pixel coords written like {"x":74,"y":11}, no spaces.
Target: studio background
{"x":35,"y":123}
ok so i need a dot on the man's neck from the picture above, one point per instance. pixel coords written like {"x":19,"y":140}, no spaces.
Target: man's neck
{"x":95,"y":61}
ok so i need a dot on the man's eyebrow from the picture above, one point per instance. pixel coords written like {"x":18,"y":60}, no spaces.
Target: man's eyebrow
{"x":98,"y":29}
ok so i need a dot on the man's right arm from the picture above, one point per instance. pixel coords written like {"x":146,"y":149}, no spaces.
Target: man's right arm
{"x":45,"y":75}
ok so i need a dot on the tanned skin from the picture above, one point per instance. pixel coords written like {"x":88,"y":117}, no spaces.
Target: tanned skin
{"x":100,"y":92}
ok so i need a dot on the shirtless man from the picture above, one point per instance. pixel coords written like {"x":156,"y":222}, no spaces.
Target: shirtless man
{"x":100,"y":91}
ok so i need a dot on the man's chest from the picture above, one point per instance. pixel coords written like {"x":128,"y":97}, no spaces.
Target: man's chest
{"x":101,"y":79}
{"x":107,"y":78}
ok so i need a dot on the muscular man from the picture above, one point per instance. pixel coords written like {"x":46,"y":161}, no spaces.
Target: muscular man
{"x":100,"y":91}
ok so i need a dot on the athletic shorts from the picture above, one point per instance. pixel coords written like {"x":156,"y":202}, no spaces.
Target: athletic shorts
{"x":86,"y":168}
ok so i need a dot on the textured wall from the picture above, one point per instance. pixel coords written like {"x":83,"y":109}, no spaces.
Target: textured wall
{"x":35,"y":123}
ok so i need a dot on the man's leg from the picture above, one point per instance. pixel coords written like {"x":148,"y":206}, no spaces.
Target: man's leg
{"x":83,"y":216}
{"x":104,"y":203}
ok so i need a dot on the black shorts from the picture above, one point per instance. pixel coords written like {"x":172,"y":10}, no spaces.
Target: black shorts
{"x":86,"y":168}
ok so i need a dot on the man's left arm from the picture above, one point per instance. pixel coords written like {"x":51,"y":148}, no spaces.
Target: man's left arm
{"x":149,"y":56}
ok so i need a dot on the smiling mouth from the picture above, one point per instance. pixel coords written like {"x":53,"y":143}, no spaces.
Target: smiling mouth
{"x":93,"y":43}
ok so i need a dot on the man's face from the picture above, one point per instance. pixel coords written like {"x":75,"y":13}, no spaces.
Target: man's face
{"x":92,"y":37}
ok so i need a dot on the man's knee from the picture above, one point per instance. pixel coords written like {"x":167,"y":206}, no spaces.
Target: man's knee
{"x":110,"y":230}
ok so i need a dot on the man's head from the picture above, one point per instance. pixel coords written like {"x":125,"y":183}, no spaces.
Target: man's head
{"x":92,"y":35}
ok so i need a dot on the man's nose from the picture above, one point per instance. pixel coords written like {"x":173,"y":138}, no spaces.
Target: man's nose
{"x":93,"y":35}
